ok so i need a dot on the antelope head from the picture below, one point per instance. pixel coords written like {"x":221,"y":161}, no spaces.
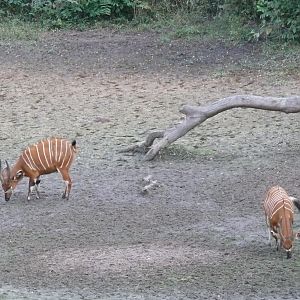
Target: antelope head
{"x":9,"y":183}
{"x":285,"y":238}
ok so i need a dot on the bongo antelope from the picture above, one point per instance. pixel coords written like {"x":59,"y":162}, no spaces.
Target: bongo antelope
{"x":45,"y":157}
{"x":279,"y":213}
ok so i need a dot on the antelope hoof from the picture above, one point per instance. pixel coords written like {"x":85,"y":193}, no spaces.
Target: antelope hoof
{"x":64,"y":196}
{"x":289,"y":254}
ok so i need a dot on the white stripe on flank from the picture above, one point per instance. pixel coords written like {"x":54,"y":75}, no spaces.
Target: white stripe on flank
{"x":38,"y":154}
{"x":280,"y":207}
{"x":28,"y":159}
{"x":32,"y":160}
{"x":60,"y":152}
{"x":66,"y":152}
{"x":277,"y":198}
{"x":25,"y":161}
{"x":55,"y":150}
{"x":272,"y":204}
{"x":45,"y":154}
{"x":50,"y":152}
{"x":70,"y":156}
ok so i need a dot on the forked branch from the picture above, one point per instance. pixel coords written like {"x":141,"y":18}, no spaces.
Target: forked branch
{"x":195,"y":115}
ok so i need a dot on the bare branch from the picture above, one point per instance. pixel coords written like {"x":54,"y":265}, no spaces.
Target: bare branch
{"x":195,"y":115}
{"x":142,"y":147}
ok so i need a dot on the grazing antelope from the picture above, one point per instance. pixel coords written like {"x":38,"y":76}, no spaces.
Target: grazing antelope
{"x":45,"y":157}
{"x":279,"y":212}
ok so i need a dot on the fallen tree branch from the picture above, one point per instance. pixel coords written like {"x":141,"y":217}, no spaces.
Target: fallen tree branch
{"x":195,"y":115}
{"x":142,"y":147}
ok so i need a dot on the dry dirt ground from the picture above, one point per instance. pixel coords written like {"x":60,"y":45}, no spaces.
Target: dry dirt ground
{"x":201,"y":233}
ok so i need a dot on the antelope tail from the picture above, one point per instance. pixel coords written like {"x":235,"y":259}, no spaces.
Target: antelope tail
{"x":296,"y":202}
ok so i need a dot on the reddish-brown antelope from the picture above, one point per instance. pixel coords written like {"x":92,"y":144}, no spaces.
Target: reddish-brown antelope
{"x":45,"y":157}
{"x":279,"y":212}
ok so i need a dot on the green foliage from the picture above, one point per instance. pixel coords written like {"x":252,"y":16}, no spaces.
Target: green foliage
{"x":57,"y":13}
{"x":273,"y":19}
{"x":15,"y":7}
{"x":280,"y":18}
{"x":203,"y":7}
{"x":224,"y":27}
{"x":240,"y":19}
{"x":60,"y":12}
{"x":245,"y":9}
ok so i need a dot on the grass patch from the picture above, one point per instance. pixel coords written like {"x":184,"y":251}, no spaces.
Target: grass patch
{"x":183,"y":25}
{"x":282,"y":54}
{"x":14,"y":29}
{"x":180,"y":152}
{"x":273,"y":57}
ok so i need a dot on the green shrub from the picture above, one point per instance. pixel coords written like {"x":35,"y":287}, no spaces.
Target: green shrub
{"x":59,"y":12}
{"x":204,"y":7}
{"x":15,"y":7}
{"x":245,"y":9}
{"x":249,"y":19}
{"x":280,"y":18}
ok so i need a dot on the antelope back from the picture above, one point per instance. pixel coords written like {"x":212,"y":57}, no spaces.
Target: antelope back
{"x":49,"y":155}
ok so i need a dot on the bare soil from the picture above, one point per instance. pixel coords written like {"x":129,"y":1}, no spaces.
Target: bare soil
{"x":201,"y":233}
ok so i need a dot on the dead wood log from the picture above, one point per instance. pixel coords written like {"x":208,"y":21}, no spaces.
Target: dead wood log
{"x":195,"y":115}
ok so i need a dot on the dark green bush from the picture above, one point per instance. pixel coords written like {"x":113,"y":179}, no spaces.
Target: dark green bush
{"x":246,"y":9}
{"x":15,"y":7}
{"x":267,"y":18}
{"x":204,"y":7}
{"x":70,"y":11}
{"x":280,"y":18}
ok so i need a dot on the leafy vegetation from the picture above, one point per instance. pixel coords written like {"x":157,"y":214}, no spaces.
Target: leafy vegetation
{"x":59,"y":13}
{"x":241,"y":20}
{"x":280,"y":18}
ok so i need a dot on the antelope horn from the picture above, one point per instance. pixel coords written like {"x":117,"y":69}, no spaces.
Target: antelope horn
{"x":8,"y":168}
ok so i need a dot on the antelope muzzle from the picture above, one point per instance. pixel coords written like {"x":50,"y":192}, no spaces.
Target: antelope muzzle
{"x":8,"y":194}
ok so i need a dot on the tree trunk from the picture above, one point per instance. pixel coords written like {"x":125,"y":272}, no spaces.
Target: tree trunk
{"x":195,"y":115}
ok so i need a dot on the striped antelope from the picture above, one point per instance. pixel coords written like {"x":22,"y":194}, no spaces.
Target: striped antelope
{"x":279,"y":212}
{"x":45,"y":157}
